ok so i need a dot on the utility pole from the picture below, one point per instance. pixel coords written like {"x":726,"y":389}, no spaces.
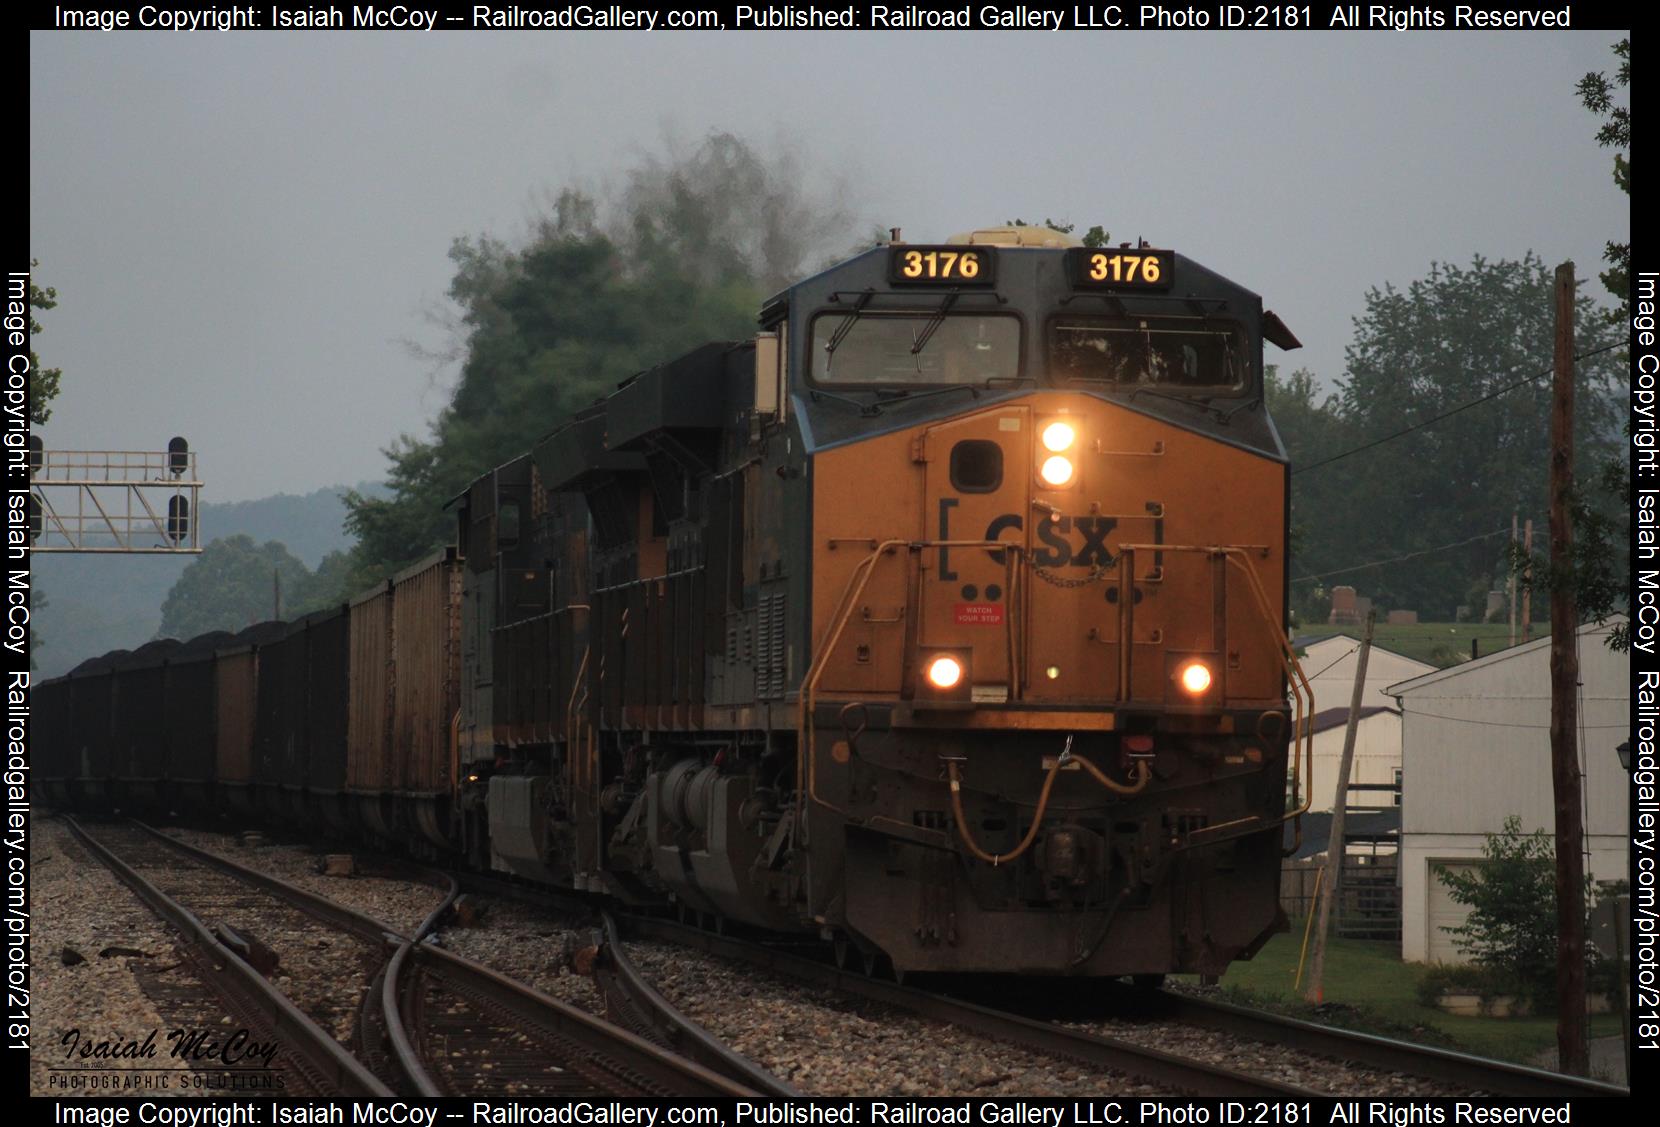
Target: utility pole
{"x":1512,"y":599}
{"x":276,"y":593}
{"x":1527,"y":583}
{"x":1339,"y":808}
{"x":1572,"y":1050}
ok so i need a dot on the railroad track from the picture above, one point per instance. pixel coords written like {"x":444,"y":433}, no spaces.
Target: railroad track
{"x":314,"y":1062}
{"x":633,"y":1001}
{"x":431,"y":1023}
{"x":1490,"y":1077}
{"x":1473,"y":1075}
{"x":1167,"y":1070}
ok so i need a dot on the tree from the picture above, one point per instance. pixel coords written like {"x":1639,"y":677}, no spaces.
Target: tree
{"x":696,"y":242}
{"x":1511,"y":928}
{"x":43,"y":382}
{"x":1312,"y":429}
{"x":335,"y":581}
{"x":1596,"y":93}
{"x":1096,"y":236}
{"x":1600,"y":570}
{"x":230,"y":586}
{"x":1455,"y":337}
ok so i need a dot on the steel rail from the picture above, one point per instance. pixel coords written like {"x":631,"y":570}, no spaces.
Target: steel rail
{"x":367,"y":928}
{"x":1179,"y":1073}
{"x":318,"y":1054}
{"x":659,"y":1067}
{"x":660,"y":1021}
{"x":404,"y":1057}
{"x":628,"y":1052}
{"x":1481,"y":1073}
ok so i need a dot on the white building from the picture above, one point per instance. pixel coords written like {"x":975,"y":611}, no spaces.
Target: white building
{"x":1330,"y":665}
{"x":1476,"y":749}
{"x":1375,"y":774}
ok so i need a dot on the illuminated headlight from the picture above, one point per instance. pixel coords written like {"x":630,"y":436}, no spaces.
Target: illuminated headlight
{"x":1195,"y":678}
{"x":945,"y":673}
{"x":1058,"y":437}
{"x":1057,"y":471}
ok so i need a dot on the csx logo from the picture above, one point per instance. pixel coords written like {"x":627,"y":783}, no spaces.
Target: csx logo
{"x":1065,"y":541}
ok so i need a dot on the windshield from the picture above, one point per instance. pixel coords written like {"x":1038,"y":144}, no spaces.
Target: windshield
{"x":899,"y":350}
{"x":1170,"y":353}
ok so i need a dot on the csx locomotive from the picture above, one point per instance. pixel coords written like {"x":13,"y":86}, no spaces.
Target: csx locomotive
{"x":944,"y":620}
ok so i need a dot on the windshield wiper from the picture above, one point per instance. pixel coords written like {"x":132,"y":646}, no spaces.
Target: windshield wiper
{"x":868,"y":410}
{"x":889,"y":394}
{"x":1206,"y":403}
{"x":846,"y":326}
{"x":934,"y":322}
{"x":1012,"y":381}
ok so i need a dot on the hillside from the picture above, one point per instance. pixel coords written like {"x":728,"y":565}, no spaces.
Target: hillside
{"x":96,"y":603}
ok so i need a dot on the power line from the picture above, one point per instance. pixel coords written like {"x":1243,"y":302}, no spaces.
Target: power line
{"x":1352,"y":649}
{"x":1449,"y":414}
{"x":1408,"y":556}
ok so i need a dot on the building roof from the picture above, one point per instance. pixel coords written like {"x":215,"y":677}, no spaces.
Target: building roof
{"x":1401,"y":688}
{"x":1358,"y":825}
{"x":1328,"y":718}
{"x":1309,"y":641}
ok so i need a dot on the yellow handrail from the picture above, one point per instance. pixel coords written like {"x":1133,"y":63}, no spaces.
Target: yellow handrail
{"x":1302,"y":751}
{"x":806,"y":742}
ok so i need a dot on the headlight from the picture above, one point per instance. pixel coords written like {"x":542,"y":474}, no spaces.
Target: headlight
{"x":1058,"y":437}
{"x":1056,"y":471}
{"x":945,"y":672}
{"x":1195,"y":678}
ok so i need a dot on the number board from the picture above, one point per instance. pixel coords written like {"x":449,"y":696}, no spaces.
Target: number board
{"x":941,"y":266}
{"x":1121,"y":268}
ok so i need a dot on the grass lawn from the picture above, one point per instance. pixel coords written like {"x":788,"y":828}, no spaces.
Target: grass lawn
{"x":1370,"y":975}
{"x":1433,"y":642}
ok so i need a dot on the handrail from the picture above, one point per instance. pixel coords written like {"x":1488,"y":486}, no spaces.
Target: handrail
{"x":806,"y":742}
{"x":1302,"y":694}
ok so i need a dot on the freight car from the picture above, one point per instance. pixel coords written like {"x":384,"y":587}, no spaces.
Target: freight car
{"x":944,"y":619}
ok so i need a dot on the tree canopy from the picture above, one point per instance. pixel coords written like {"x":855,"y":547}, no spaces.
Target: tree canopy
{"x":1597,"y":92}
{"x":43,"y":382}
{"x":693,"y":244}
{"x":1096,"y":236}
{"x":230,"y":586}
{"x":1460,"y":359}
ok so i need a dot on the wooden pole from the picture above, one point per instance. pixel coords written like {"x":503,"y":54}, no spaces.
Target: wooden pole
{"x":1512,"y":599}
{"x":1571,"y":1046}
{"x":1340,"y":801}
{"x":1527,"y":583}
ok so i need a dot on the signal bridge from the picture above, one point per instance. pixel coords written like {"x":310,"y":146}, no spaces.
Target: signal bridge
{"x":133,"y":502}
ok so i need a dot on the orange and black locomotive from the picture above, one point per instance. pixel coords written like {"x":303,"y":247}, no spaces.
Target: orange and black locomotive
{"x":944,"y":619}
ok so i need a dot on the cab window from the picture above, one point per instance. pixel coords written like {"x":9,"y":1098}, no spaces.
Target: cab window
{"x":1170,"y":353}
{"x":905,"y":349}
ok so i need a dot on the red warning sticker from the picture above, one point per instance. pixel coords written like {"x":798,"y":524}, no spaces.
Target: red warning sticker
{"x":979,"y":614}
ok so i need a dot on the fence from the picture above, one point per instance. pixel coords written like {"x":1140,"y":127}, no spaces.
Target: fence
{"x":1371,"y":894}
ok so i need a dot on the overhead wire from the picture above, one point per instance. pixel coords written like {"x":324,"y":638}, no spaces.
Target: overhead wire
{"x":1398,"y":559}
{"x":1449,"y":414}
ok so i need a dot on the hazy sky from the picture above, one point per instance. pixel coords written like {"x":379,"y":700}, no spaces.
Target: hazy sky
{"x":246,"y":231}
